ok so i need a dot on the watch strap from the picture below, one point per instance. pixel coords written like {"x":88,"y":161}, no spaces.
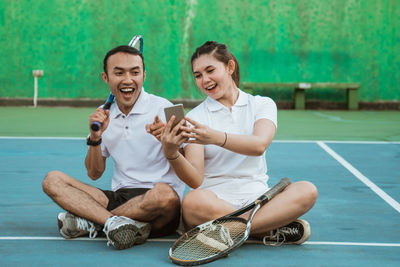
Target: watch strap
{"x":92,"y":143}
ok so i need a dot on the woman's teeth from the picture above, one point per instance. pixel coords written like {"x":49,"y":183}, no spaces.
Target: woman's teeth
{"x":211,"y":87}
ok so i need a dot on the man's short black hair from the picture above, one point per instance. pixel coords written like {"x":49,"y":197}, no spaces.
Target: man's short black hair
{"x":123,"y":49}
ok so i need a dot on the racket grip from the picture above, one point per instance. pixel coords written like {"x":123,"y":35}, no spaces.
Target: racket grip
{"x":279,"y":187}
{"x":95,"y":126}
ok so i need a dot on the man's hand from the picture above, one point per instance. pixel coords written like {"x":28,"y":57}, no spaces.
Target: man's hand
{"x":156,"y":128}
{"x":101,"y":116}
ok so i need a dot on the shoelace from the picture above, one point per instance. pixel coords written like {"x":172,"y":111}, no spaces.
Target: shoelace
{"x":107,"y":225}
{"x":280,"y":233}
{"x":84,"y":224}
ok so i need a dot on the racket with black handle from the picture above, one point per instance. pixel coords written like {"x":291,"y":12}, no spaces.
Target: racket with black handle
{"x":136,"y":42}
{"x":217,"y":238}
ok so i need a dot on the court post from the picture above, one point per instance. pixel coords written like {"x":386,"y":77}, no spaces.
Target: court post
{"x":36,"y":74}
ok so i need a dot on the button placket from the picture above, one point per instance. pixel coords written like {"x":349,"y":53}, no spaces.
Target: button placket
{"x":126,"y":125}
{"x":236,"y":123}
{"x":231,"y":119}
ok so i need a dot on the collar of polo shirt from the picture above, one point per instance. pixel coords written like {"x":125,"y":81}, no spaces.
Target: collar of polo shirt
{"x":141,"y":106}
{"x":214,"y":105}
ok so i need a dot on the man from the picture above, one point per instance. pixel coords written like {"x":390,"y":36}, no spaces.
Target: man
{"x":146,"y":193}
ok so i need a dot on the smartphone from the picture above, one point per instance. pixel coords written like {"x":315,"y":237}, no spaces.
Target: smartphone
{"x":176,"y":110}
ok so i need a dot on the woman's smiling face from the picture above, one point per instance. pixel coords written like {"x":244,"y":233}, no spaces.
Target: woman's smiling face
{"x":213,"y":77}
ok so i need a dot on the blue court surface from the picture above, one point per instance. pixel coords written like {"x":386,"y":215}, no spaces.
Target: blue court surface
{"x":355,"y":222}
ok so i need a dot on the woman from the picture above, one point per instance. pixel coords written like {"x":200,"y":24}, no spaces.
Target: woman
{"x":224,"y":148}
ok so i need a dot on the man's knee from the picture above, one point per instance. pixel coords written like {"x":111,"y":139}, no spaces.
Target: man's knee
{"x":52,"y":181}
{"x":166,"y":196}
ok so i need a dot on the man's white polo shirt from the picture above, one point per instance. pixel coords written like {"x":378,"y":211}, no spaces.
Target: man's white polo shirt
{"x":139,"y":161}
{"x":230,"y":171}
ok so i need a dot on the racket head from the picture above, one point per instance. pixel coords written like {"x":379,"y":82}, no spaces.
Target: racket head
{"x":137,"y":42}
{"x":209,"y":241}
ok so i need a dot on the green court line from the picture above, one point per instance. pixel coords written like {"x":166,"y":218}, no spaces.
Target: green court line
{"x":292,"y":124}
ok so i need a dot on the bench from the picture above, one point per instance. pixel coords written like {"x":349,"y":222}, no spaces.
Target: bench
{"x":300,"y":91}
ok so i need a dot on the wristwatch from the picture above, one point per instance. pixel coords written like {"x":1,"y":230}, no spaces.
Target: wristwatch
{"x":92,"y":143}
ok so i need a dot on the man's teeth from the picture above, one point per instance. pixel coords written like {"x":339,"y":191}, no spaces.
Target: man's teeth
{"x":126,"y":90}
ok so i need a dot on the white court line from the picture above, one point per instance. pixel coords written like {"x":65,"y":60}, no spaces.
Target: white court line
{"x":274,"y":141}
{"x":338,"y":142}
{"x":10,"y":238}
{"x":363,"y":142}
{"x":361,"y":177}
{"x":42,"y":138}
{"x":353,"y":244}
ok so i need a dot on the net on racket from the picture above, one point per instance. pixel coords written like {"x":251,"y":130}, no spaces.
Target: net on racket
{"x":201,"y":245}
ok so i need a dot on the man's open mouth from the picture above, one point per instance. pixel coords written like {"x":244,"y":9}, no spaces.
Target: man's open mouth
{"x":127,"y":90}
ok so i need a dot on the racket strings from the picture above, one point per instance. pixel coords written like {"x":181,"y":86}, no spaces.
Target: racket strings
{"x":210,"y":241}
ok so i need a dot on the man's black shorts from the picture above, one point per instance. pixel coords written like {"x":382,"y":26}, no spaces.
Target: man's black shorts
{"x":119,"y":197}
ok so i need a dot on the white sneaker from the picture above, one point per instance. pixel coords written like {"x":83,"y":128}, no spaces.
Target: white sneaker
{"x":296,"y":232}
{"x":123,"y":232}
{"x":71,"y":226}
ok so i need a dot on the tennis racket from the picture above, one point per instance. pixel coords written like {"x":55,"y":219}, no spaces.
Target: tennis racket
{"x":134,"y":42}
{"x":217,"y":238}
{"x":95,"y":126}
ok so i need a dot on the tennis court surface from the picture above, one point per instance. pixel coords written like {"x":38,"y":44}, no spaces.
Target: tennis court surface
{"x":352,"y":157}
